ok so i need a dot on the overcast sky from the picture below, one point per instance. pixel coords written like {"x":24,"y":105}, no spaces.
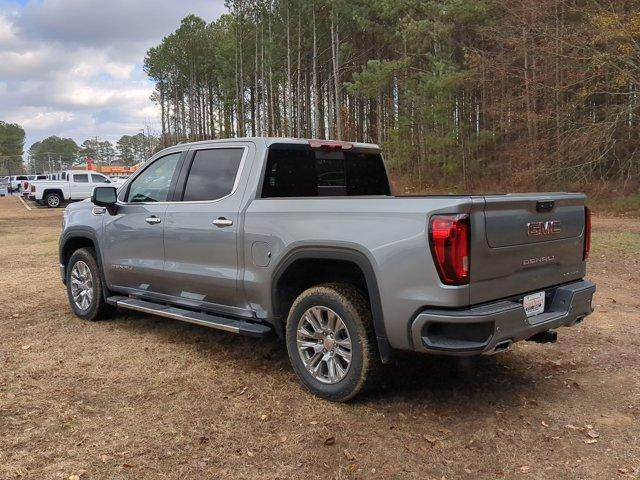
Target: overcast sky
{"x":73,"y":68}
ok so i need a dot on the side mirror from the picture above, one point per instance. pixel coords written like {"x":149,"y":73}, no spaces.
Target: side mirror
{"x":104,"y":196}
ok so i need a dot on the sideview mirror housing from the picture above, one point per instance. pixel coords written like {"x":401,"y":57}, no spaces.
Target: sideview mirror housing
{"x":104,"y":196}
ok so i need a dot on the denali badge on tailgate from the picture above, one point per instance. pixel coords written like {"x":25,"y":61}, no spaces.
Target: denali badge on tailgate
{"x":543,"y":228}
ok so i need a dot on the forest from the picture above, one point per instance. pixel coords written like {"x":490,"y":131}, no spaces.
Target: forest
{"x":461,"y":94}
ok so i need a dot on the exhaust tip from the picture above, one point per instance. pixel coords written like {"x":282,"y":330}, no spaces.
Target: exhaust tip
{"x":503,"y":346}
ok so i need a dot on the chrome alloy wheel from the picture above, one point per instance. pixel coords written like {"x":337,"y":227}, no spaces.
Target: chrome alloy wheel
{"x":324,"y":344}
{"x":53,"y":201}
{"x":81,"y":285}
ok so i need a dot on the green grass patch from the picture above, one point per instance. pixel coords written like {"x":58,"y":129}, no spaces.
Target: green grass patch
{"x":626,"y":243}
{"x":627,"y":205}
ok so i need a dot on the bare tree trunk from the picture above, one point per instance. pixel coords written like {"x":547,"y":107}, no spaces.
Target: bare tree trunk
{"x":314,"y":79}
{"x":299,"y":82}
{"x":335,"y":55}
{"x":289,"y":92}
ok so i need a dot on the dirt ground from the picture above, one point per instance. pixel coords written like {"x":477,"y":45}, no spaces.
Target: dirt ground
{"x":145,"y":397}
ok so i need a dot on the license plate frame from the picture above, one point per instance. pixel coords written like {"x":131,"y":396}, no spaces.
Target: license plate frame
{"x":534,"y":304}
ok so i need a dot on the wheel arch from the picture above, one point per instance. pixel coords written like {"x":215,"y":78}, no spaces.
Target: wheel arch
{"x":75,"y":239}
{"x":52,"y":190}
{"x":349,"y":255}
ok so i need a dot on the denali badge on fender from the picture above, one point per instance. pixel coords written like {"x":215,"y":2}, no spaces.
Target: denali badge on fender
{"x":543,"y":228}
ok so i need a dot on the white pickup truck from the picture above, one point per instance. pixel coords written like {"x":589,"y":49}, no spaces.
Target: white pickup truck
{"x":73,"y":185}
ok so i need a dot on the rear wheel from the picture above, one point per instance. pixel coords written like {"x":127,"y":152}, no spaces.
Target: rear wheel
{"x":84,"y":286}
{"x":53,"y":200}
{"x":331,"y":343}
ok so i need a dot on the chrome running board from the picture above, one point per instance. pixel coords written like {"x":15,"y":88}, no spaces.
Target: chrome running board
{"x":239,"y":327}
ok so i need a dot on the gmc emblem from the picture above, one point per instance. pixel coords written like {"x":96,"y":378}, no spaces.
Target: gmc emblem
{"x":549,"y":227}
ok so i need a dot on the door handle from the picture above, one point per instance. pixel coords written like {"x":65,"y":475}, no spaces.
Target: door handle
{"x":152,"y":220}
{"x":222,"y":222}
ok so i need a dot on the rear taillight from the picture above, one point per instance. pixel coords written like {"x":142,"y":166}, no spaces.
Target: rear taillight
{"x":449,"y":240}
{"x":587,"y":233}
{"x":33,"y":188}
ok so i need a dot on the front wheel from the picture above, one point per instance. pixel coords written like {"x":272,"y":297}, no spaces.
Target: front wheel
{"x":84,"y":286}
{"x":53,"y":200}
{"x":331,"y":343}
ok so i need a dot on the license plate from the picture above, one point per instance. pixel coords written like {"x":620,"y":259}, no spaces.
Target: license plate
{"x":533,"y":304}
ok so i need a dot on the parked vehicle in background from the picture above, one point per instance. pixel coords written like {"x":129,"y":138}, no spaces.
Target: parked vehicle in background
{"x":74,"y":185}
{"x":5,"y":185}
{"x":24,"y":186}
{"x":16,"y":180}
{"x":305,"y":239}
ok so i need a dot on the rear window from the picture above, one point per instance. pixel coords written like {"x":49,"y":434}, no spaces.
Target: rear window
{"x":299,"y":171}
{"x":212,"y":174}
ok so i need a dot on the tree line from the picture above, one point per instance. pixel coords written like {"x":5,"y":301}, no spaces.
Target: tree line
{"x":458,"y":92}
{"x":56,"y":153}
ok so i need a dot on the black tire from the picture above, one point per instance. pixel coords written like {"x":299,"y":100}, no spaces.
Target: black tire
{"x":53,"y":200}
{"x":354,"y":311}
{"x":97,"y":309}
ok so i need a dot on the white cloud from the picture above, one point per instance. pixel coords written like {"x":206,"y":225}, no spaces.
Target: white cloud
{"x":72,"y":68}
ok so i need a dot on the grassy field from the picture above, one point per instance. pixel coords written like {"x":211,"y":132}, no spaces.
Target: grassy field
{"x":144,"y":397}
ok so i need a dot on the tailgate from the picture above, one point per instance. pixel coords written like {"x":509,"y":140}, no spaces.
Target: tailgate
{"x":525,"y":242}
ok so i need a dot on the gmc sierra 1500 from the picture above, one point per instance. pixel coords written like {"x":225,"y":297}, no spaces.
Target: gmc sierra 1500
{"x":304,"y":239}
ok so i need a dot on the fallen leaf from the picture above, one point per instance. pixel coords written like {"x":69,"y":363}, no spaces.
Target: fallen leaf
{"x":128,"y":465}
{"x":264,"y":417}
{"x":330,"y":441}
{"x":349,"y":456}
{"x":429,"y":439}
{"x":74,"y":477}
{"x":592,"y":434}
{"x":573,"y":427}
{"x":544,"y":424}
{"x":25,"y":347}
{"x":590,"y":441}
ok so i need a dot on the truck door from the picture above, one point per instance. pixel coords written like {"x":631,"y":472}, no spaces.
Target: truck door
{"x":201,"y":229}
{"x":132,"y":247}
{"x":79,"y":186}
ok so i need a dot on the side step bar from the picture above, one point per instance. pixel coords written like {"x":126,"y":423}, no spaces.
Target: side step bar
{"x":199,"y":318}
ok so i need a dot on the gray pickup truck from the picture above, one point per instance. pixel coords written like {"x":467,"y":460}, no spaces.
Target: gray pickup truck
{"x":304,"y":239}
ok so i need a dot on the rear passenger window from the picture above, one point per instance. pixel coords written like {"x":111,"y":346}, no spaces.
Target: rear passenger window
{"x":212,"y":174}
{"x":81,"y":178}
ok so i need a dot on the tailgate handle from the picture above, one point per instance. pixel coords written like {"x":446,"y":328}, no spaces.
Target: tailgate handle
{"x":544,"y":205}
